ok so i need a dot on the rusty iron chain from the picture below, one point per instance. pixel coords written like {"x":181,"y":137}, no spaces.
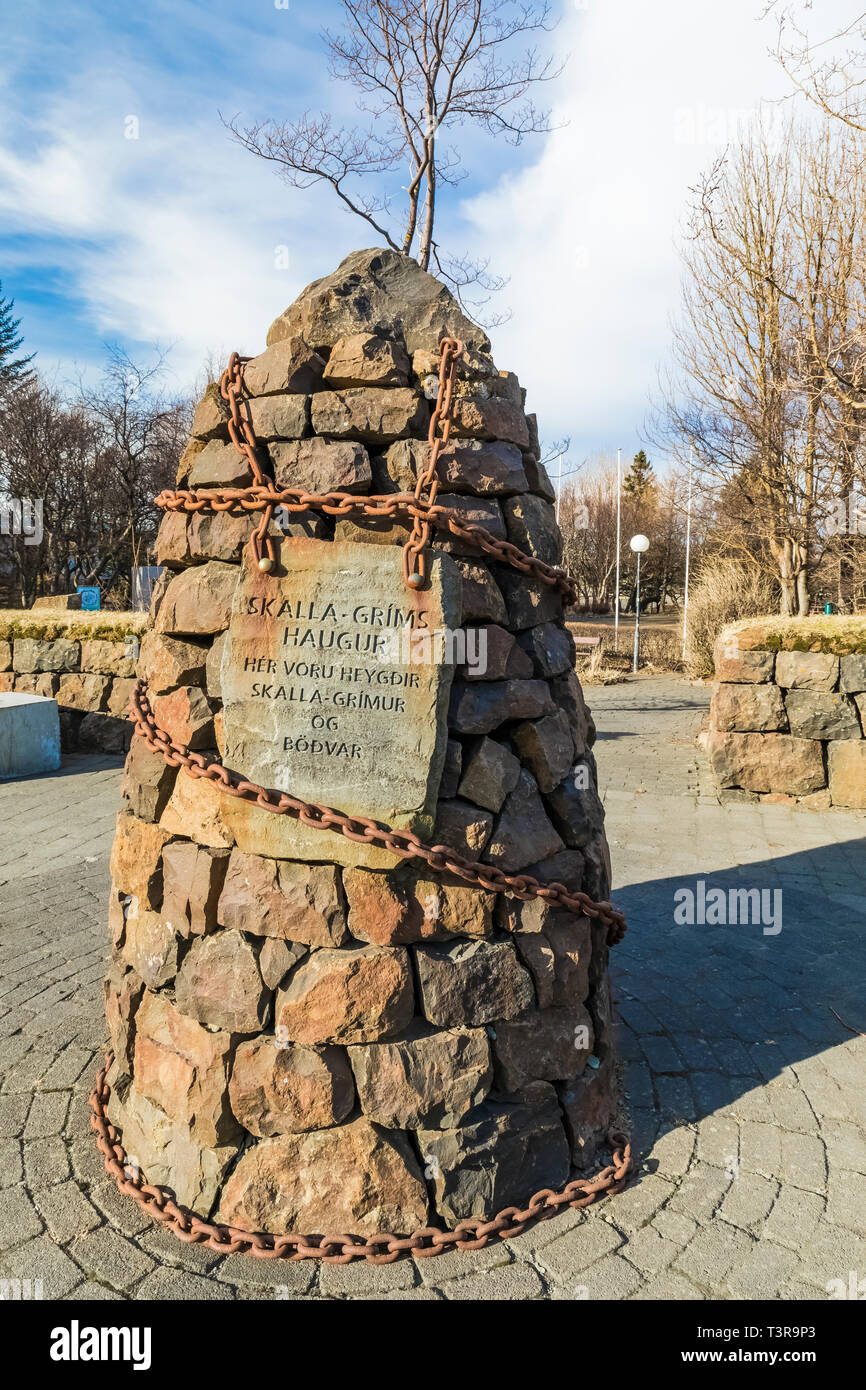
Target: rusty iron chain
{"x":427,"y":485}
{"x":420,"y":508}
{"x":381,"y":1248}
{"x":403,"y":844}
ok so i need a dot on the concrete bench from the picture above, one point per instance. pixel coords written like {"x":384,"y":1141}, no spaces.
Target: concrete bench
{"x":29,"y":734}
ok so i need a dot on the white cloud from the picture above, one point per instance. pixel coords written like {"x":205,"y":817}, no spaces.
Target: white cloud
{"x":588,"y":231}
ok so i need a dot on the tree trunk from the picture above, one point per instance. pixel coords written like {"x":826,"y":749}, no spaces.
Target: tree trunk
{"x":429,"y":206}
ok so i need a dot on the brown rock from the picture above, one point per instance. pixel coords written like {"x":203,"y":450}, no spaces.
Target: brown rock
{"x":348,"y":996}
{"x":219,"y":536}
{"x":427,"y":1078}
{"x":166,"y":662}
{"x":187,"y":459}
{"x":482,"y":601}
{"x":852,"y":672}
{"x":462,"y":827}
{"x":287,"y":1090}
{"x":477,"y":417}
{"x":846,"y":761}
{"x":150,"y":946}
{"x":537,"y":475}
{"x":452,"y":769}
{"x":119,"y":692}
{"x":531,"y":525}
{"x":30,"y":655}
{"x":362,"y":359}
{"x":402,"y":906}
{"x":550,"y":650}
{"x":196,"y":810}
{"x":198,"y":601}
{"x":503,"y":659}
{"x":575,"y":807}
{"x":172,"y":540}
{"x":589,"y":1110}
{"x":546,"y":748}
{"x":186,"y":716}
{"x":220,"y":984}
{"x":102,"y":733}
{"x":105,"y":658}
{"x":501,"y":1156}
{"x":277,"y":958}
{"x":136,"y":859}
{"x":47,"y":684}
{"x":528,"y":603}
{"x":480,"y":707}
{"x":522,"y":834}
{"x":182,"y":1067}
{"x":806,"y":670}
{"x":567,"y":693}
{"x":373,"y":416}
{"x":147,"y":781}
{"x":322,"y":465}
{"x":123,"y":992}
{"x":382,"y":292}
{"x":471,"y":983}
{"x":220,"y":464}
{"x":767,"y":762}
{"x":212,"y":678}
{"x":547,"y":1045}
{"x":557,"y":957}
{"x":491,"y":773}
{"x":355,"y":1178}
{"x":83,"y":692}
{"x":747,"y":708}
{"x":192,"y":882}
{"x":270,"y":897}
{"x":211,"y":415}
{"x":165,"y":1153}
{"x":735,"y":664}
{"x":469,"y":511}
{"x":280,"y":417}
{"x":481,"y":468}
{"x":821,"y":714}
{"x":5,"y":655}
{"x":289,"y":365}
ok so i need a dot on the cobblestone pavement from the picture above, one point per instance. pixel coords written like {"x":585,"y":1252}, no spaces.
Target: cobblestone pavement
{"x":749,"y":1120}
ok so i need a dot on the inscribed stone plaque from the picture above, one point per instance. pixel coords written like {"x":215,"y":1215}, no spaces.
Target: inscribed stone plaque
{"x":333,"y":692}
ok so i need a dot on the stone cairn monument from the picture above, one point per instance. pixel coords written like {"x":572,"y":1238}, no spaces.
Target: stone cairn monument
{"x":359,"y":931}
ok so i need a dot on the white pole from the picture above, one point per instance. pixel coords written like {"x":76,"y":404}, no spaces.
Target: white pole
{"x":618,"y":537}
{"x":559,"y":488}
{"x":637,"y":618}
{"x":688,"y":553}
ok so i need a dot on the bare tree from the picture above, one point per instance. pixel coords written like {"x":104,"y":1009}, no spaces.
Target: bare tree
{"x":770,"y":311}
{"x":831,"y":69}
{"x":422,"y":68}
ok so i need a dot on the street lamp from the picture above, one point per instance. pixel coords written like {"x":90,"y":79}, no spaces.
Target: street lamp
{"x":639,"y":544}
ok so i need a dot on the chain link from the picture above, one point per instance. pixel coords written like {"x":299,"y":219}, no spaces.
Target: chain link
{"x":381,"y":1248}
{"x":403,"y":844}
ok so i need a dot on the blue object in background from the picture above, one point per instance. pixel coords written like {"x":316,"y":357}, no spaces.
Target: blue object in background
{"x":828,"y":608}
{"x":89,"y":597}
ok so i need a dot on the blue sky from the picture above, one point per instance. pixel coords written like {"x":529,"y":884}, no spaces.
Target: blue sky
{"x":170,"y":238}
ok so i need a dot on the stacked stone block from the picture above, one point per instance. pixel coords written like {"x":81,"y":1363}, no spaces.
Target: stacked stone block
{"x":90,"y":679}
{"x":303,"y":1046}
{"x":788,"y":713}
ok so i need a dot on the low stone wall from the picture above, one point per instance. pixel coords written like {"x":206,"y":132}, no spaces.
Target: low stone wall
{"x":85,"y":662}
{"x":788,"y":714}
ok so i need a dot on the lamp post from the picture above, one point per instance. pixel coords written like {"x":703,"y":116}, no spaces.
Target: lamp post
{"x":618,"y":535}
{"x":639,"y":544}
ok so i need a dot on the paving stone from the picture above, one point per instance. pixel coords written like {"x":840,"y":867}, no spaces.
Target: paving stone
{"x":47,"y":1115}
{"x":709,"y":1256}
{"x":748,"y":1201}
{"x":794,"y":1217}
{"x":578,"y":1249}
{"x":247,"y":1273}
{"x":41,"y":1259}
{"x":358,"y":1278}
{"x":66,"y":1211}
{"x":762,"y":1271}
{"x":178,"y":1285}
{"x":106,"y":1256}
{"x":515,"y":1282}
{"x":19,"y":1220}
{"x":700,"y":1193}
{"x":46,"y":1161}
{"x":846,"y":1201}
